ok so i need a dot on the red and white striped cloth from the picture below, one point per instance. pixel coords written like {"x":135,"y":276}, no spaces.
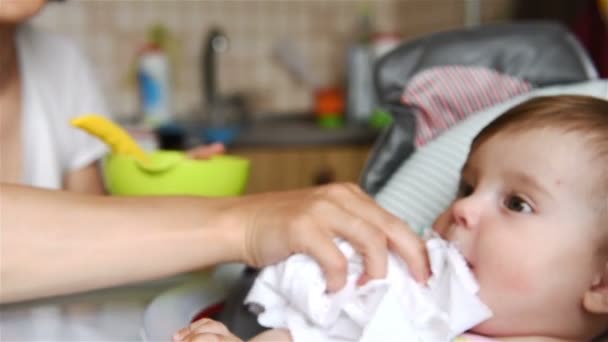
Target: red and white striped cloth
{"x":447,"y":94}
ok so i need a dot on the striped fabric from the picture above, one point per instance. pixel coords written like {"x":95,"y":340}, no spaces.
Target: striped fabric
{"x":425,"y":184}
{"x":446,"y":95}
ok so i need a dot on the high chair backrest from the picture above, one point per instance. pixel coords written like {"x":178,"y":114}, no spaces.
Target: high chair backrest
{"x":541,"y":53}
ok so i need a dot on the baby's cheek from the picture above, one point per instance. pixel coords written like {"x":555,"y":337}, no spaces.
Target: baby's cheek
{"x":510,"y":276}
{"x":519,"y":281}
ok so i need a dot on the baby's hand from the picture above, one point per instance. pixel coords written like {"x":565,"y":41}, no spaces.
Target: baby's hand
{"x":205,"y":330}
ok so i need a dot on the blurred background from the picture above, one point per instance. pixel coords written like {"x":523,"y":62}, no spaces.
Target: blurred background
{"x":111,"y":33}
{"x":289,"y":71}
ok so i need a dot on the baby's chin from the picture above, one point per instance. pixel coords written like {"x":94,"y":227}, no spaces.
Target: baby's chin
{"x":485,"y":328}
{"x":499,"y":326}
{"x":490,"y":328}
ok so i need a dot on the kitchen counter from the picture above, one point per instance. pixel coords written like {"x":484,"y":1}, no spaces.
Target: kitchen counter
{"x":292,"y":152}
{"x":278,"y":131}
{"x":301,"y":130}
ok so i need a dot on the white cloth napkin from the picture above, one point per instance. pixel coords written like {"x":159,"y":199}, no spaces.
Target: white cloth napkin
{"x":291,"y":295}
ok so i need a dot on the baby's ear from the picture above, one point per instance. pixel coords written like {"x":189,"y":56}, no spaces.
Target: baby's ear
{"x":596,"y":298}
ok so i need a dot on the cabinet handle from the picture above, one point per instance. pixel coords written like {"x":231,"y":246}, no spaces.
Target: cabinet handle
{"x":324,"y":176}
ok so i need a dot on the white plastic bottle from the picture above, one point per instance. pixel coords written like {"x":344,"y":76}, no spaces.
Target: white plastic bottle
{"x":361,"y":97}
{"x":154,"y":83}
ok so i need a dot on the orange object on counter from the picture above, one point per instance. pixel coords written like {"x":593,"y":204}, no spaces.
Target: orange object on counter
{"x":329,"y":101}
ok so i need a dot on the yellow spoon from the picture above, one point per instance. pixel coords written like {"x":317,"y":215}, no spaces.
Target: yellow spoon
{"x":120,"y":142}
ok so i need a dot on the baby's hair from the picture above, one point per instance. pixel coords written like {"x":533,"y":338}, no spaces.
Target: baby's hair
{"x":570,"y":113}
{"x":584,"y":115}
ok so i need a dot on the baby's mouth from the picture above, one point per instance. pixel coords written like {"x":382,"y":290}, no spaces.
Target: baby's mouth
{"x":470,"y":265}
{"x":466,"y":259}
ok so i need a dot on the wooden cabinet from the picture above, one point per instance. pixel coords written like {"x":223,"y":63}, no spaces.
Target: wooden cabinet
{"x":284,"y":168}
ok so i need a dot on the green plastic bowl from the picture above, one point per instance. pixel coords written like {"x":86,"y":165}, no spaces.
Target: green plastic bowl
{"x":178,"y":175}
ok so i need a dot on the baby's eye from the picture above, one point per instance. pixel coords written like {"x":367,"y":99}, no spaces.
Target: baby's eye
{"x":517,"y":204}
{"x":464,"y":189}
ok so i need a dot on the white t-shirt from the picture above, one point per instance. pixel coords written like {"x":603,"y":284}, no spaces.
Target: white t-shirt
{"x":58,"y":85}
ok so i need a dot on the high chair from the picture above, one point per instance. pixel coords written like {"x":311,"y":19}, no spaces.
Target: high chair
{"x":542,"y":53}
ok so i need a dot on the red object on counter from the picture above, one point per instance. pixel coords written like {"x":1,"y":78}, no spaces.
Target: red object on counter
{"x":329,"y":101}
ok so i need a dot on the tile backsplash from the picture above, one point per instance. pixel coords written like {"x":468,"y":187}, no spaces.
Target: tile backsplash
{"x":110,"y":33}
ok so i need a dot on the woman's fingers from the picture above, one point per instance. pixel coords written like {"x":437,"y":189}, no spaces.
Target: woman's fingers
{"x":413,"y":251}
{"x":319,"y":244}
{"x":207,"y":151}
{"x":366,"y":239}
{"x":307,"y":221}
{"x":400,"y":238}
{"x":397,"y":234}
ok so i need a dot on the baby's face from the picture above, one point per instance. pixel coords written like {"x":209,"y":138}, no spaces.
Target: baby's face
{"x":524,"y":222}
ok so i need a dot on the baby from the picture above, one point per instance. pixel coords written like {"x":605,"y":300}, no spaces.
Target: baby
{"x":531,"y":220}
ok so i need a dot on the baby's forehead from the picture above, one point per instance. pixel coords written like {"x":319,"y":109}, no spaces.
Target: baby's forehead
{"x":543,"y":153}
{"x":552,"y":141}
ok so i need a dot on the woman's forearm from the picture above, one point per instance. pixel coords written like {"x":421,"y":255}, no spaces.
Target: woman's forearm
{"x":57,"y":242}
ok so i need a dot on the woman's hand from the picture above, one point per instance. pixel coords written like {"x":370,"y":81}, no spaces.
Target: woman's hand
{"x":205,"y":330}
{"x":206,"y":151}
{"x":277,"y":225}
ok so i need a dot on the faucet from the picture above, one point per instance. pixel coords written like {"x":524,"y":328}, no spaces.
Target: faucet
{"x":225,"y":113}
{"x":215,"y":43}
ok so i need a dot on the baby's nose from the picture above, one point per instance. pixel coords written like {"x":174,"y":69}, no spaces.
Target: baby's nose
{"x":466,"y":213}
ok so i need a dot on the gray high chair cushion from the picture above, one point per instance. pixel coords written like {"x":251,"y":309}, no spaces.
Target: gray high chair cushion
{"x":542,"y":53}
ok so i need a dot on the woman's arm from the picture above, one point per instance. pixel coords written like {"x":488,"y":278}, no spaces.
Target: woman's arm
{"x":55,"y":242}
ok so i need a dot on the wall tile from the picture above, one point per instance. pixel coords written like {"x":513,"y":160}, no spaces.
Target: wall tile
{"x":110,"y":32}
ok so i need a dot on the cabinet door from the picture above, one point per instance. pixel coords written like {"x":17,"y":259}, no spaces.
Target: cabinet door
{"x":275,"y":169}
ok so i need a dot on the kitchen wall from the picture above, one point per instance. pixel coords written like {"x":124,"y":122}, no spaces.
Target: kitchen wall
{"x":110,"y":33}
